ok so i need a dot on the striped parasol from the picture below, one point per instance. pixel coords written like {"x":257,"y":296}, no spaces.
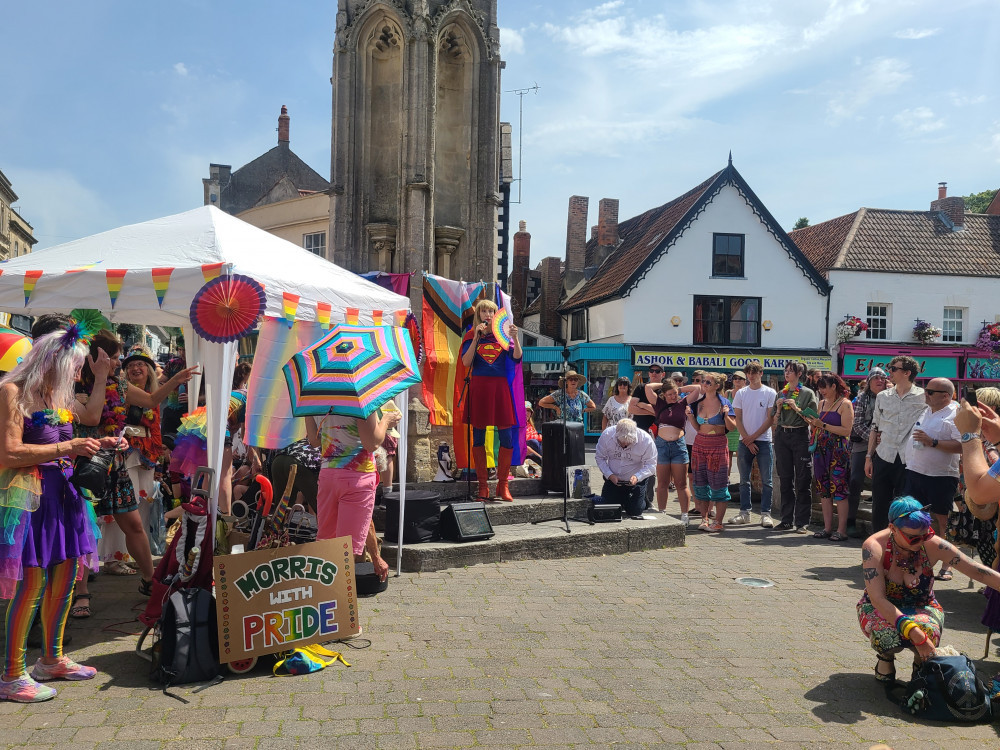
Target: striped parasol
{"x":351,"y":371}
{"x":14,"y":345}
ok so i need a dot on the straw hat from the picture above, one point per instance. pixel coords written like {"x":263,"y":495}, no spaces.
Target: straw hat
{"x":573,"y":374}
{"x":139,"y":352}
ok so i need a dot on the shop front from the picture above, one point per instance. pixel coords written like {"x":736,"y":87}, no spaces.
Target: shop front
{"x":688,"y":360}
{"x":857,"y":360}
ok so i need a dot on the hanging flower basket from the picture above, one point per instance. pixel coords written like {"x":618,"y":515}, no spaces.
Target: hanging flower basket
{"x":850,"y":327}
{"x":924,"y":332}
{"x":989,"y":339}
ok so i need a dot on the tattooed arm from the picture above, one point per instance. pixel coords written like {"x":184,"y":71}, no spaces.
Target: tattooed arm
{"x":941,"y":550}
{"x":874,"y":577}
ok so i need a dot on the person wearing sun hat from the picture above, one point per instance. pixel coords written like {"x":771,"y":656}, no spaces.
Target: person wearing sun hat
{"x":570,"y":400}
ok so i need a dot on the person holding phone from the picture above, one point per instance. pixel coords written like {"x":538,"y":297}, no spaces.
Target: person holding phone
{"x":791,"y":449}
{"x":626,"y":457}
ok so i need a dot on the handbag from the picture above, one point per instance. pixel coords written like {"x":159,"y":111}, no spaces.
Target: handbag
{"x":92,"y":473}
{"x":946,"y":688}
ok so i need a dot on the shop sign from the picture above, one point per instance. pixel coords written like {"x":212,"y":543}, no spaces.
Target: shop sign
{"x":982,"y":368}
{"x":707,"y":360}
{"x":859,"y":365}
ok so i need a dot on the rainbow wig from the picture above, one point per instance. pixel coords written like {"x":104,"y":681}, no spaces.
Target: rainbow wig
{"x":907,"y":512}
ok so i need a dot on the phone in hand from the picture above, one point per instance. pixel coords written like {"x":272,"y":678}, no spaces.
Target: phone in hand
{"x":971,"y":397}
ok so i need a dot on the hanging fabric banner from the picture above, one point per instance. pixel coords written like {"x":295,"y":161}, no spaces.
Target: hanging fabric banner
{"x":323,"y":314}
{"x":211,"y":271}
{"x":30,"y":279}
{"x":115,"y":278}
{"x":161,"y":282}
{"x":289,"y":305}
{"x":444,"y":302}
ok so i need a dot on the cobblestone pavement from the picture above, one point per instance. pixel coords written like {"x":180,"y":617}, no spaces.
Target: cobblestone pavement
{"x":652,"y":649}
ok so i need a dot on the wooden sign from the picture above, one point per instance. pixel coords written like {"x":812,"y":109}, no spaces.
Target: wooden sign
{"x":274,"y":600}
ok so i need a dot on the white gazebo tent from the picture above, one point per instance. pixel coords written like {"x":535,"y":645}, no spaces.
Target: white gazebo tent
{"x":185,"y":250}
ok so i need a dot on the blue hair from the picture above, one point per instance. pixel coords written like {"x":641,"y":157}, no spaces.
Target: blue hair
{"x":907,"y":511}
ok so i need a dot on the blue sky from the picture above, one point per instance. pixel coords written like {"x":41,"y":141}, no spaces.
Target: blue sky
{"x":115,"y":109}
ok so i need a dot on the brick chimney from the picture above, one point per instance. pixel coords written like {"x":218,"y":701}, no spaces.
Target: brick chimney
{"x":953,"y":208}
{"x":593,"y":232}
{"x":283,"y":121}
{"x":519,"y":272}
{"x":576,"y":240}
{"x":607,"y":230}
{"x":549,"y":322}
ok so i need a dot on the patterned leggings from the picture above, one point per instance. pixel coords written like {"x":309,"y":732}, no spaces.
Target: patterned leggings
{"x":53,"y":587}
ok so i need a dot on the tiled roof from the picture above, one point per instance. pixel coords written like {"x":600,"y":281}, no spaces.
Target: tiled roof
{"x":904,"y":242}
{"x":534,"y":307}
{"x":640,"y":237}
{"x":279,"y":172}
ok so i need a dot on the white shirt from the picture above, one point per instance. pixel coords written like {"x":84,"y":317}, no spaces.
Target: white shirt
{"x":894,"y":419}
{"x":932,"y":462}
{"x":755,"y":407}
{"x":638,"y":459}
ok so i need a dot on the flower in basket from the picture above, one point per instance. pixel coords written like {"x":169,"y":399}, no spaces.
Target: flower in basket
{"x":989,"y":339}
{"x":924,"y":332}
{"x":850,"y":327}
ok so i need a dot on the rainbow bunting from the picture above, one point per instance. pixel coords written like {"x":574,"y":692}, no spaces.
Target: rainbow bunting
{"x":161,"y":281}
{"x":211,"y":271}
{"x":290,"y":304}
{"x":376,"y":317}
{"x":399,"y":316}
{"x":352,"y":316}
{"x":115,"y":278}
{"x":323,"y":314}
{"x":30,"y":279}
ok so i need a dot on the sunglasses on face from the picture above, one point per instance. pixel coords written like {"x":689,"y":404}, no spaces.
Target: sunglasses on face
{"x":895,"y":369}
{"x":914,"y":538}
{"x":655,"y":372}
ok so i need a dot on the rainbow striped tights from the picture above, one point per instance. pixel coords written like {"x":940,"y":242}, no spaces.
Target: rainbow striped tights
{"x":53,"y":587}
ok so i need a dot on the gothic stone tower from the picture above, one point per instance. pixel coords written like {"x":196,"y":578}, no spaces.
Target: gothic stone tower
{"x":416,"y":96}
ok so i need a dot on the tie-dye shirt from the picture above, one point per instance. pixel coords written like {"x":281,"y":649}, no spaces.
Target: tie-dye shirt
{"x":340,"y":444}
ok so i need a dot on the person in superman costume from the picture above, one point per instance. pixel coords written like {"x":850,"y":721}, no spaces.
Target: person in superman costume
{"x":490,"y":402}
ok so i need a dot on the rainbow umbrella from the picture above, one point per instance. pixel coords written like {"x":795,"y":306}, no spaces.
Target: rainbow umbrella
{"x":351,"y":371}
{"x":14,"y":345}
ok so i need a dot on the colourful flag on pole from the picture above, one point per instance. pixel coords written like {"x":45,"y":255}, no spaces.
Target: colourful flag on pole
{"x":115,"y":279}
{"x":161,"y":282}
{"x":30,"y":279}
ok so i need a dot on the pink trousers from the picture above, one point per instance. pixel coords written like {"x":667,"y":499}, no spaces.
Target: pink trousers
{"x":344,"y":502}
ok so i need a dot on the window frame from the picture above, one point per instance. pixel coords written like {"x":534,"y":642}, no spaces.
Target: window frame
{"x":885,"y":316}
{"x":305,"y":246}
{"x":578,"y":325}
{"x":727,"y":322}
{"x":742,"y":255}
{"x":960,"y":320}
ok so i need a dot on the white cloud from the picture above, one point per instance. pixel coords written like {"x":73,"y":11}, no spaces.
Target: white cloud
{"x":965,"y":100}
{"x":915,"y":33}
{"x":837,"y":14}
{"x":602,"y":10}
{"x":918,"y":121}
{"x":879,"y":78}
{"x":181,"y":69}
{"x":59,"y":207}
{"x":511,"y":42}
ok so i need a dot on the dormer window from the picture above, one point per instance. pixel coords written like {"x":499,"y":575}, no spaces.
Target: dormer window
{"x":727,"y":255}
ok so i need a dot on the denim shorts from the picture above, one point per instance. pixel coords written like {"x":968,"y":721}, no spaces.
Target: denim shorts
{"x":673,"y":452}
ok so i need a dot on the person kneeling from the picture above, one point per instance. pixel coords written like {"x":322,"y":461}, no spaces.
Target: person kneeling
{"x":626,"y":457}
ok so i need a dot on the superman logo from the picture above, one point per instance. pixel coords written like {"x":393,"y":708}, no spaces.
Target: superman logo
{"x":489,"y":351}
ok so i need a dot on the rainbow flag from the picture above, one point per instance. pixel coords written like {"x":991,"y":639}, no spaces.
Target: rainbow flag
{"x":443,"y":306}
{"x":399,"y":316}
{"x":462,"y":433}
{"x":30,"y":279}
{"x":323,"y":314}
{"x":115,"y":279}
{"x":376,"y":317}
{"x":211,"y":271}
{"x":270,"y":423}
{"x":352,"y":314}
{"x":290,"y":305}
{"x":161,"y":282}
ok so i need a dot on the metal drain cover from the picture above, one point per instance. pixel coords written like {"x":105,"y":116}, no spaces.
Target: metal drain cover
{"x":757,"y":583}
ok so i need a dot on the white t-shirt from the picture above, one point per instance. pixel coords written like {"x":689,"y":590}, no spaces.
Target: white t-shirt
{"x":756,"y":406}
{"x":932,"y":462}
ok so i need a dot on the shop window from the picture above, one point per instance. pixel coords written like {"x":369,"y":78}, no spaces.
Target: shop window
{"x":315,"y":243}
{"x":579,"y":325}
{"x":878,"y":321}
{"x":727,"y":321}
{"x":601,"y":378}
{"x":953,"y":325}
{"x":727,"y":255}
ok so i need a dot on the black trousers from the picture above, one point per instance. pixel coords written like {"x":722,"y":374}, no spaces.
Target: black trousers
{"x":888,"y":480}
{"x":632,"y":497}
{"x":855,"y":486}
{"x":794,"y":464}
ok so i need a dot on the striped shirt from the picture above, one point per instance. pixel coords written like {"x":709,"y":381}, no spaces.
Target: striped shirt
{"x":894,"y":419}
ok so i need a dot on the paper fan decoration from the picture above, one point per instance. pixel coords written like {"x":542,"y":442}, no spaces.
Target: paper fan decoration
{"x":227,"y":308}
{"x":90,"y":321}
{"x":501,"y":323}
{"x":413,"y":328}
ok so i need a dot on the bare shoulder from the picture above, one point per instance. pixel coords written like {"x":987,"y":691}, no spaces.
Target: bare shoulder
{"x":871,"y":549}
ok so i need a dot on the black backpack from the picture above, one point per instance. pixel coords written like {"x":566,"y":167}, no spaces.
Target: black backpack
{"x":946,"y":688}
{"x":187,"y":649}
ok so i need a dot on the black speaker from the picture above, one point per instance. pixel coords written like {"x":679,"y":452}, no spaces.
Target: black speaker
{"x":604,"y":513}
{"x":554,"y":460}
{"x":466,"y":522}
{"x":422,"y":519}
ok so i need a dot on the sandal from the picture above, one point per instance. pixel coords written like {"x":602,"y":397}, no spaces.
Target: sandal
{"x":944,"y":575}
{"x":118,"y":568}
{"x":145,"y":587}
{"x":80,"y":611}
{"x":824,"y":534}
{"x":888,"y":676}
{"x":838,"y":537}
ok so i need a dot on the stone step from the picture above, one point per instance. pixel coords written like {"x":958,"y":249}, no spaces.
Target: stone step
{"x":544,"y":541}
{"x":524,"y":509}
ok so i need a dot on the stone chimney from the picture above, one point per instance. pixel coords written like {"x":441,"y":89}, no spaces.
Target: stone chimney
{"x":593,"y":232}
{"x":549,"y":322}
{"x":607,"y":230}
{"x":952,"y":208}
{"x":283,"y":122}
{"x":217,"y":181}
{"x":576,"y":240}
{"x":519,"y":272}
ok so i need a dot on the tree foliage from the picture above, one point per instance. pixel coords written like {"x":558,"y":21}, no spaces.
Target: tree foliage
{"x":977,"y":203}
{"x":801,"y":223}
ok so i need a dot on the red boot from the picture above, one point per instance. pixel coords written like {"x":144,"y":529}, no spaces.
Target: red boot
{"x":482,"y":474}
{"x":503,"y":469}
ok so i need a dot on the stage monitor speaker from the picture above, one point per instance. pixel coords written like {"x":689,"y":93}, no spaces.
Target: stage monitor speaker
{"x":466,"y":522}
{"x":554,"y":460}
{"x":422,"y":517}
{"x":604,"y":513}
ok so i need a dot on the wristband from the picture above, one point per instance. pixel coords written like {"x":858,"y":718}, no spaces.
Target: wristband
{"x":908,"y":628}
{"x":901,"y":622}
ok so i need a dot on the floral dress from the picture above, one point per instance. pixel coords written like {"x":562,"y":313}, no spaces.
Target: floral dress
{"x":614,"y":410}
{"x":832,"y":460}
{"x":572,"y":406}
